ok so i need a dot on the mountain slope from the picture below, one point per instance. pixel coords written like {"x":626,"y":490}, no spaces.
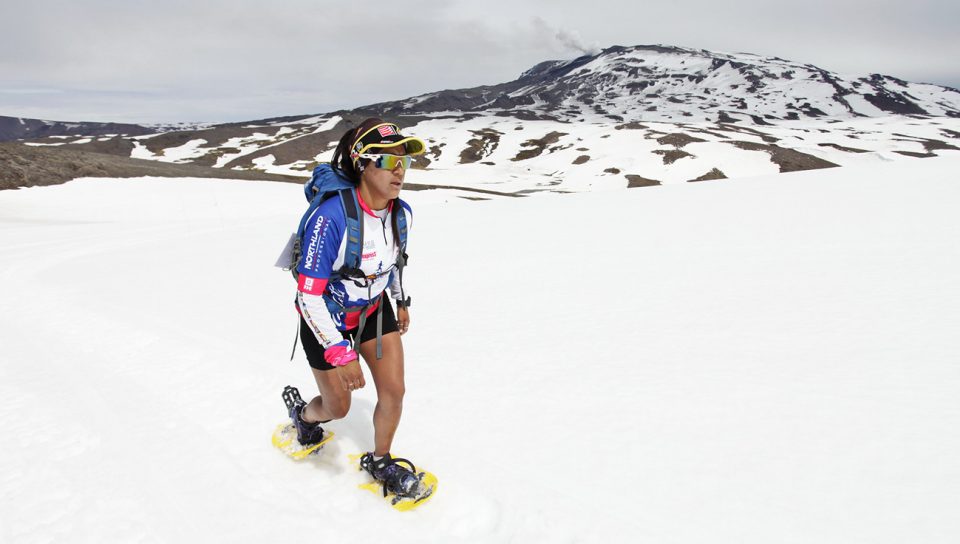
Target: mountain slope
{"x":672,"y":84}
{"x":24,"y":166}
{"x":626,"y":117}
{"x":19,"y":128}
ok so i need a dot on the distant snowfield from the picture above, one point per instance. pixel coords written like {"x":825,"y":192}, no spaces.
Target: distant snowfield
{"x":771,"y":359}
{"x":521,"y":156}
{"x":638,"y":151}
{"x":600,"y":155}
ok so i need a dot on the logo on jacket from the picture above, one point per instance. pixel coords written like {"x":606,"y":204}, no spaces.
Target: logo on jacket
{"x":316,"y":242}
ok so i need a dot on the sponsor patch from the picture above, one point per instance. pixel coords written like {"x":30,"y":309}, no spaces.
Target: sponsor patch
{"x":311,"y":286}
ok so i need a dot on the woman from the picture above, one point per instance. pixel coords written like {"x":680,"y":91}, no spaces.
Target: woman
{"x":334,"y":307}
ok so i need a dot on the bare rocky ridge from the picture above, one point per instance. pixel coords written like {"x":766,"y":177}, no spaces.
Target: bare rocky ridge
{"x":15,"y":128}
{"x":24,"y":166}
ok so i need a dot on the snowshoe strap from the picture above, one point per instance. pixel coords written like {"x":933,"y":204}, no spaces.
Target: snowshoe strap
{"x":395,"y":484}
{"x":291,"y":396}
{"x":398,"y":460}
{"x":376,"y":466}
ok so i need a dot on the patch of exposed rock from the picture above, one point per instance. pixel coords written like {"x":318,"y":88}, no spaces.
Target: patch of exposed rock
{"x":844,"y":148}
{"x":27,"y":166}
{"x":713,"y":174}
{"x":678,"y":139}
{"x":671,"y":156}
{"x":632,"y":125}
{"x":789,"y":160}
{"x":537,"y":146}
{"x":640,"y":181}
{"x":916,"y":154}
{"x":481,"y":146}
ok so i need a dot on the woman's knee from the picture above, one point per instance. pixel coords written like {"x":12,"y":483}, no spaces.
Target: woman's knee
{"x":337,"y":407}
{"x":392,"y":394}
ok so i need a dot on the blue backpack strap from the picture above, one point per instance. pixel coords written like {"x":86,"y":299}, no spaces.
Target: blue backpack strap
{"x":400,"y":224}
{"x":400,"y":228}
{"x":354,"y":234}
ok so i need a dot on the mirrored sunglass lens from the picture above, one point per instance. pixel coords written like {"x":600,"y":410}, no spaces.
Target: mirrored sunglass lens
{"x":389,"y":162}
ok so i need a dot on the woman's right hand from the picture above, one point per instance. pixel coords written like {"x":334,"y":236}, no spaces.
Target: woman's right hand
{"x":347,"y":365}
{"x":351,"y":375}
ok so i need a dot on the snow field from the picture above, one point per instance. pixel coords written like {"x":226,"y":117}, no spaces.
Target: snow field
{"x":755,"y":360}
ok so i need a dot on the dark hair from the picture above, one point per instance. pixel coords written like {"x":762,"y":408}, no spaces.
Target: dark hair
{"x":341,"y":156}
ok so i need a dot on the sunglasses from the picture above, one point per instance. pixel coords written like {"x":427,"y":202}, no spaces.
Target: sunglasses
{"x":388,"y":162}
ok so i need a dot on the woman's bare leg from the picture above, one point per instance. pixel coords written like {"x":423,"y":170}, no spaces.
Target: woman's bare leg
{"x":388,"y":377}
{"x":333,"y":401}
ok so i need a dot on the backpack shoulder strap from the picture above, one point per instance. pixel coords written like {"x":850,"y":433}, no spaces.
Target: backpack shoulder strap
{"x":400,"y":231}
{"x":353,"y":230}
{"x":400,"y":224}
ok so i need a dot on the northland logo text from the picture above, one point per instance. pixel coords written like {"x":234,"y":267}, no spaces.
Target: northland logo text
{"x":316,"y":242}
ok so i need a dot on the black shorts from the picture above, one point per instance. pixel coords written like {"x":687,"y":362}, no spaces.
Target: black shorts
{"x":314,"y":350}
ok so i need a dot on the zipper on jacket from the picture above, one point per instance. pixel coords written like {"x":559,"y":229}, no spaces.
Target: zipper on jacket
{"x":383,"y":226}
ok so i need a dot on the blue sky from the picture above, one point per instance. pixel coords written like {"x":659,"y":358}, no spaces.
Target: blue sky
{"x":233,"y":60}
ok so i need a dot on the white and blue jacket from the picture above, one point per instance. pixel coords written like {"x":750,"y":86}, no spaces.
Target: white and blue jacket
{"x":324,"y":252}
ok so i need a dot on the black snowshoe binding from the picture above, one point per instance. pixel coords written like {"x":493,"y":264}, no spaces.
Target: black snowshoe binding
{"x":307,"y":433}
{"x":402,"y":482}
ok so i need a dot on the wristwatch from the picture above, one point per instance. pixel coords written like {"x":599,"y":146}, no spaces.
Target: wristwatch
{"x":403,"y":303}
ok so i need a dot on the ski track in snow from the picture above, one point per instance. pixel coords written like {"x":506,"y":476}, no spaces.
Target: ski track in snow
{"x":769,"y":359}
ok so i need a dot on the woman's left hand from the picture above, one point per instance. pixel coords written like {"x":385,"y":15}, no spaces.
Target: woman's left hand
{"x":403,"y":320}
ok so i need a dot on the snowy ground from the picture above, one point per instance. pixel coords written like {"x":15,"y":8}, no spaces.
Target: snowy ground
{"x":770,"y":359}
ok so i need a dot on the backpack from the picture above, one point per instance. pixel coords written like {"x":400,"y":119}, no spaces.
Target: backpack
{"x":325,"y":183}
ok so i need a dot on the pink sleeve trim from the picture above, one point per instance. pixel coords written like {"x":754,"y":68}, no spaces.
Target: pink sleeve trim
{"x":311,"y":286}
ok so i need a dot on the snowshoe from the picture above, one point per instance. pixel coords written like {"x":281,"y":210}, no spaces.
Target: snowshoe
{"x":298,"y":439}
{"x":307,"y":433}
{"x":404,"y":487}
